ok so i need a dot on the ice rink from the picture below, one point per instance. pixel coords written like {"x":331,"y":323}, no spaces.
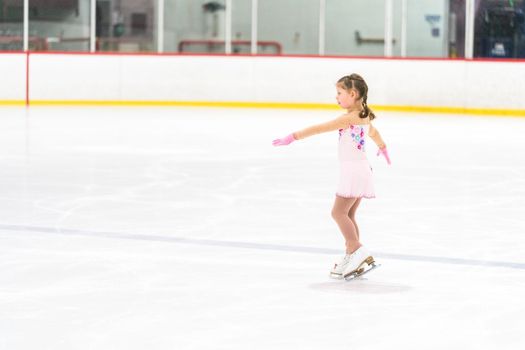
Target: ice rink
{"x":183,"y":228}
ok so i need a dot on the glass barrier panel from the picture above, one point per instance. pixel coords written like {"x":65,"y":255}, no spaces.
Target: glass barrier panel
{"x":12,"y":25}
{"x":292,"y":25}
{"x":499,"y":29}
{"x":195,"y":26}
{"x":242,"y":27}
{"x":356,"y":28}
{"x":59,"y":25}
{"x":428,"y":28}
{"x":126,"y":26}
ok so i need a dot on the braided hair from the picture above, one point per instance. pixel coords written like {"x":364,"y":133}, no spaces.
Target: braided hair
{"x":355,"y":81}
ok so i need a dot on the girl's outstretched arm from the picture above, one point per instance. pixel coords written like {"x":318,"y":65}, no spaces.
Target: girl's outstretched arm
{"x":336,"y":124}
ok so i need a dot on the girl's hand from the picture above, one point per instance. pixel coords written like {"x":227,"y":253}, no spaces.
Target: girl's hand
{"x":384,"y":152}
{"x":284,"y":141}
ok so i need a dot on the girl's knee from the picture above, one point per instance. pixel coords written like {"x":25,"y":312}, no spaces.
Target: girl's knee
{"x":336,"y":214}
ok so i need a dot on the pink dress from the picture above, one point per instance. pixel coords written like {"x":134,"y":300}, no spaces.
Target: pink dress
{"x":355,"y":173}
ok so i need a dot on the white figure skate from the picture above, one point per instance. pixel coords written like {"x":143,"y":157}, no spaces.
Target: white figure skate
{"x":360,"y":262}
{"x":337,"y":270}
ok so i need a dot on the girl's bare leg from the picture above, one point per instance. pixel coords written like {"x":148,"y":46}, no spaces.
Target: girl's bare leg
{"x":340,"y":213}
{"x":351,"y":215}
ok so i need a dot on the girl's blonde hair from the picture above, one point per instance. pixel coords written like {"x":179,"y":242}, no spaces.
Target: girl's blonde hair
{"x":356,"y":82}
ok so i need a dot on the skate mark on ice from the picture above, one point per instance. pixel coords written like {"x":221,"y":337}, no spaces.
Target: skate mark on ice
{"x":257,"y":246}
{"x":361,"y":285}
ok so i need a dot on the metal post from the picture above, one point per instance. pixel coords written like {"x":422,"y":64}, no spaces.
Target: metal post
{"x":446,"y":29}
{"x":255,"y":9}
{"x":470,"y":12}
{"x":92,"y":26}
{"x":160,"y":27}
{"x":404,"y":26}
{"x":228,"y":29}
{"x":322,"y":26}
{"x":389,"y":30}
{"x":26,"y":25}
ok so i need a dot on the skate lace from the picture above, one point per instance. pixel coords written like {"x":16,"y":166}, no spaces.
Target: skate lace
{"x":348,"y":258}
{"x":341,"y":262}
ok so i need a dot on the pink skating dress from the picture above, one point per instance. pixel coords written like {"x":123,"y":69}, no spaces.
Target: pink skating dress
{"x":355,"y":173}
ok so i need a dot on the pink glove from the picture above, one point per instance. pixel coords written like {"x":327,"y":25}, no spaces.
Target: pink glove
{"x":284,"y":141}
{"x":384,"y":152}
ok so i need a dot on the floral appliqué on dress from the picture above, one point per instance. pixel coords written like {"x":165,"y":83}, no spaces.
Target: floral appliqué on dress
{"x":358,"y":136}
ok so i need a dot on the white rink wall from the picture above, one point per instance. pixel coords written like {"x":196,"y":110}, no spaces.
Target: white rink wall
{"x":93,"y":78}
{"x":12,"y":77}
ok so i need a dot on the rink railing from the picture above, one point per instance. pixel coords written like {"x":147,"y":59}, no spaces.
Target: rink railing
{"x":491,"y":87}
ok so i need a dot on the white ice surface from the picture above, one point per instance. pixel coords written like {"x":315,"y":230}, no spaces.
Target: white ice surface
{"x":159,"y":228}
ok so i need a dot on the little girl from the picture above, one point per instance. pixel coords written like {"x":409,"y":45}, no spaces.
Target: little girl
{"x":355,"y":173}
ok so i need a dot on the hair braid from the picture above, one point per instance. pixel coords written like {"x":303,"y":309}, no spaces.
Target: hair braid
{"x":364,"y":113}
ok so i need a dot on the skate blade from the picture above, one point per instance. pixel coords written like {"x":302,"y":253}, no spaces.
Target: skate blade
{"x":367,"y":262}
{"x":355,"y":276}
{"x":361,"y":270}
{"x":373,"y":266}
{"x":336,"y":276}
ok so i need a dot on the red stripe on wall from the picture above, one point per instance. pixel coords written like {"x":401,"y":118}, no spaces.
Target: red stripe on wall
{"x":460,"y":59}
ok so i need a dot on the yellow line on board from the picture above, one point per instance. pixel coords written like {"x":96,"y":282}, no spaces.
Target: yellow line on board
{"x":12,"y":103}
{"x":453,"y":110}
{"x":276,"y":105}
